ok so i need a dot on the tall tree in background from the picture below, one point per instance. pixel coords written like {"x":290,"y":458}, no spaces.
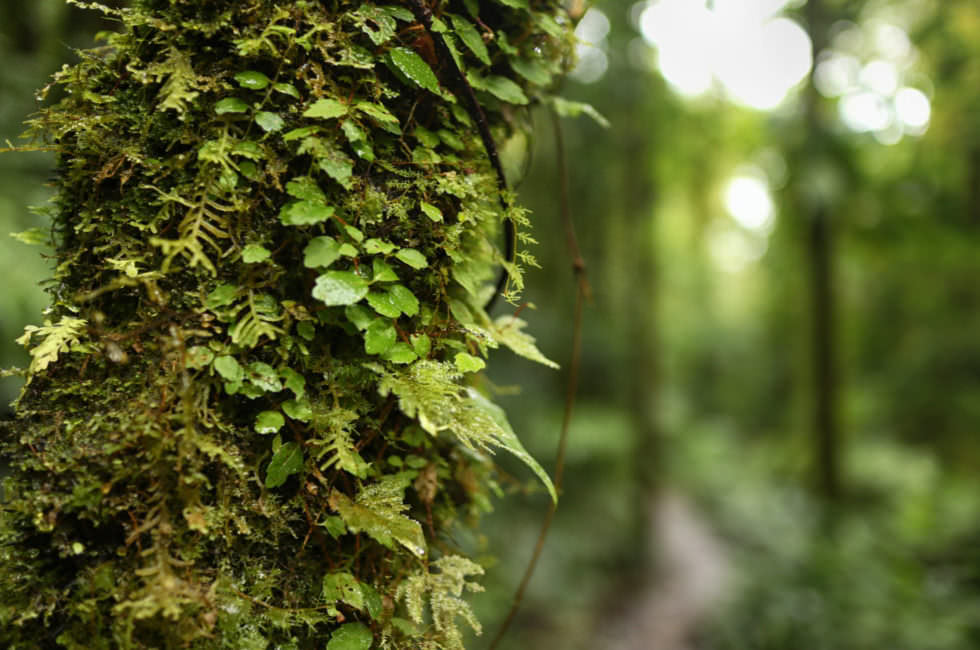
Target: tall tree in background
{"x":245,"y":421}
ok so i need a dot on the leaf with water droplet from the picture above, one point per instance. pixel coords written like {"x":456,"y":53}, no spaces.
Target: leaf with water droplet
{"x":431,"y":211}
{"x":340,"y":288}
{"x":252,"y":79}
{"x":413,"y":66}
{"x":269,"y":122}
{"x":378,"y":511}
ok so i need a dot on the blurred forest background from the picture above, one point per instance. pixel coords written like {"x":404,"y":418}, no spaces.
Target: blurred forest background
{"x":777,"y":438}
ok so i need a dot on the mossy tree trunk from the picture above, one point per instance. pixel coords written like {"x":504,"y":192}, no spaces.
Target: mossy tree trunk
{"x":251,"y":417}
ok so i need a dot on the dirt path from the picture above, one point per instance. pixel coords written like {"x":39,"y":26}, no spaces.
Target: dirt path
{"x":694,"y":567}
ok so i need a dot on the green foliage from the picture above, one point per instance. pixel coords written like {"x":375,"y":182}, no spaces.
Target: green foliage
{"x":275,"y":231}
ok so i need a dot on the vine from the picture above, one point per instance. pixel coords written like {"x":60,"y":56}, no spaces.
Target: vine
{"x":252,"y":418}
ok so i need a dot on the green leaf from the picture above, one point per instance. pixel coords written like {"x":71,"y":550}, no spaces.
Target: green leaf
{"x":509,"y":440}
{"x":334,"y":525}
{"x":229,"y":368}
{"x":304,"y":213}
{"x":358,"y":140}
{"x":374,"y":245}
{"x":508,"y":331}
{"x":305,"y":188}
{"x":415,"y":68}
{"x":431,"y":211}
{"x":427,"y":390}
{"x":567,"y":108}
{"x":404,"y":299}
{"x":302,"y":132}
{"x":354,"y":233}
{"x":268,"y":422}
{"x":286,"y":89}
{"x":533,"y":71}
{"x":32,"y":236}
{"x":400,"y":353}
{"x":468,"y":363}
{"x":343,"y":587}
{"x":359,"y":315}
{"x":340,"y":288}
{"x":378,"y":511}
{"x":412,"y":257}
{"x":421,"y":344}
{"x":269,"y":122}
{"x":377,"y":111}
{"x":502,"y":88}
{"x":264,"y":376}
{"x":288,"y":460}
{"x":198,"y":356}
{"x":298,"y":409}
{"x":381,"y":302}
{"x":252,"y":80}
{"x":382,"y":270}
{"x":471,"y":37}
{"x":294,"y":381}
{"x":338,"y":167}
{"x":326,"y":109}
{"x":373,"y":603}
{"x":380,"y":336}
{"x":222,"y":296}
{"x":253,"y":253}
{"x":516,"y":4}
{"x":306,"y":330}
{"x":321,"y":252}
{"x":351,"y":636}
{"x":230,"y":105}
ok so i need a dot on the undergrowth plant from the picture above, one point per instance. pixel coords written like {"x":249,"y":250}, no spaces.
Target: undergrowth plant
{"x":250,"y":418}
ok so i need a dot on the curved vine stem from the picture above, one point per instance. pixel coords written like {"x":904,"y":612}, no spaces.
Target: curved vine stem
{"x":582,"y":294}
{"x":424,"y":16}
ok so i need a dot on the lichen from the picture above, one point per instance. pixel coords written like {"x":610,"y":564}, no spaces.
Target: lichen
{"x":246,"y":423}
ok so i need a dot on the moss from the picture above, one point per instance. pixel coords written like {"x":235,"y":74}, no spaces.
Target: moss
{"x":246,"y":421}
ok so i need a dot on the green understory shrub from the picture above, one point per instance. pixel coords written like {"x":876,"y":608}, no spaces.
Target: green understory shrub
{"x":251,"y":418}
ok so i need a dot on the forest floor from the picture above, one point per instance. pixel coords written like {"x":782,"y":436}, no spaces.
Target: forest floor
{"x":692,"y":568}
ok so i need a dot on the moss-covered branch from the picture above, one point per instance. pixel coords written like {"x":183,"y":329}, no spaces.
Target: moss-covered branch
{"x":246,"y":422}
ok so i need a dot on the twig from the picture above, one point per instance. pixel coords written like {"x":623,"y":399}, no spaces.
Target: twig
{"x":424,"y":15}
{"x":583,"y":293}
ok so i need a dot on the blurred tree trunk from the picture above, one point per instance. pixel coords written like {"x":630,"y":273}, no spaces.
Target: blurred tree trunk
{"x":820,"y":245}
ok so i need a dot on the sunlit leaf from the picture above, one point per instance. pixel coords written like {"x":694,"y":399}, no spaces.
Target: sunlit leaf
{"x":326,"y":109}
{"x":340,"y":288}
{"x":268,"y":422}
